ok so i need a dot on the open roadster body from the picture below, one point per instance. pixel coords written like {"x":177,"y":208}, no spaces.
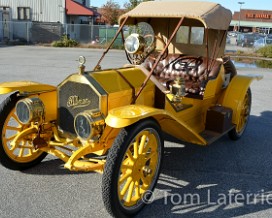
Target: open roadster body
{"x":112,"y":120}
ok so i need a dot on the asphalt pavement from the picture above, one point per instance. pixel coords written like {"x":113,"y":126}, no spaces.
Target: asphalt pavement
{"x":225,"y":179}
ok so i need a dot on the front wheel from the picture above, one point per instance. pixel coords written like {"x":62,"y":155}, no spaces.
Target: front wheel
{"x":23,"y":155}
{"x":132,"y":168}
{"x":244,"y":113}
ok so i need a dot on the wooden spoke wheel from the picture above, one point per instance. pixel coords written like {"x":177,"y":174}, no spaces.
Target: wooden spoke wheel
{"x":132,"y":168}
{"x":244,"y":114}
{"x":23,"y":155}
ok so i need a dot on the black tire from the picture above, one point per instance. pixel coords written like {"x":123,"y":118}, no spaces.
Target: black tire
{"x":240,"y":128}
{"x":116,"y":158}
{"x":9,"y":157}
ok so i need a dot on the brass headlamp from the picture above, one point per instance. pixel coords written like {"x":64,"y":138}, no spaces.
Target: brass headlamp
{"x":30,"y":110}
{"x":89,"y":124}
{"x":134,"y":44}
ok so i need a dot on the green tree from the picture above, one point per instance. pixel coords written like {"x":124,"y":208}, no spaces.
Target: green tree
{"x":110,"y":12}
{"x":133,"y":3}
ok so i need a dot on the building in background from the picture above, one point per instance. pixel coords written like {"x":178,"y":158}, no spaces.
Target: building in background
{"x":45,"y":20}
{"x":252,"y":21}
{"x":87,"y":3}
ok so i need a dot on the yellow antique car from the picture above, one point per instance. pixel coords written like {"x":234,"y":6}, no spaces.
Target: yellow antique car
{"x":112,"y":120}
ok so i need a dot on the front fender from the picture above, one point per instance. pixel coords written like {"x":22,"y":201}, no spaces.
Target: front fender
{"x":24,"y":87}
{"x":235,"y":93}
{"x":127,"y":115}
{"x":46,"y":93}
{"x":124,"y":116}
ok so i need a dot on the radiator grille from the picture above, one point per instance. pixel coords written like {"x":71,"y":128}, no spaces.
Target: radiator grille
{"x":74,"y":98}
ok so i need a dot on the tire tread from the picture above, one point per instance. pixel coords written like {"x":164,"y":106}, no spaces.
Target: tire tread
{"x":109,"y":178}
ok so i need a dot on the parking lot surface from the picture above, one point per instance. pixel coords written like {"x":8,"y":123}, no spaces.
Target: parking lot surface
{"x":225,"y":179}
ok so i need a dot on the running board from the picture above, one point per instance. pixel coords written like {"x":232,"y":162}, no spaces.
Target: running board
{"x":212,"y":136}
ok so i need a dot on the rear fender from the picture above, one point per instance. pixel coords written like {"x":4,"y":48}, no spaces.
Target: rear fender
{"x":235,"y":93}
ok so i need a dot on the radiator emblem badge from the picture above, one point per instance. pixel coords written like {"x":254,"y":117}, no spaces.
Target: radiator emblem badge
{"x":75,"y":102}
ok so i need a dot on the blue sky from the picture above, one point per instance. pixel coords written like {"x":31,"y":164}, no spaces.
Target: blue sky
{"x":231,"y":4}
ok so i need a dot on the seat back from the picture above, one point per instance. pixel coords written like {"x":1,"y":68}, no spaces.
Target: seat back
{"x":192,"y":69}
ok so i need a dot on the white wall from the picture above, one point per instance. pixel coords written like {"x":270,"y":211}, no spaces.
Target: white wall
{"x":41,"y":10}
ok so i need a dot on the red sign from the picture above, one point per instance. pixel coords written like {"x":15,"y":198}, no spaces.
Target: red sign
{"x":259,"y":16}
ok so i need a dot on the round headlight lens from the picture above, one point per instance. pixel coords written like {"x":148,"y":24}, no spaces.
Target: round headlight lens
{"x":134,"y":43}
{"x":83,"y":126}
{"x":22,"y":112}
{"x":89,"y":125}
{"x":29,"y":109}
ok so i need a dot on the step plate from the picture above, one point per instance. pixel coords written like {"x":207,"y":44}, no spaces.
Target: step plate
{"x":212,"y":136}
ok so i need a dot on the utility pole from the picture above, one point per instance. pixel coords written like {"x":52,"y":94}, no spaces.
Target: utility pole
{"x":240,"y":3}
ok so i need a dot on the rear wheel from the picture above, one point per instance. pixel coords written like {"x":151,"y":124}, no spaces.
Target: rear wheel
{"x":23,"y":155}
{"x":238,"y":131}
{"x":132,"y":168}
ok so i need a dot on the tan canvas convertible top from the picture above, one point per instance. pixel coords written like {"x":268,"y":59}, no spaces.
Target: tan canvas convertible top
{"x":212,"y":15}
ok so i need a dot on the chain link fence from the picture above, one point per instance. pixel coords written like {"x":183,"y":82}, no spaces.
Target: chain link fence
{"x":35,"y":32}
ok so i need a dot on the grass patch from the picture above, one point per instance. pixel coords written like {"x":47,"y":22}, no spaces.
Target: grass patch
{"x":65,"y":41}
{"x":265,"y":51}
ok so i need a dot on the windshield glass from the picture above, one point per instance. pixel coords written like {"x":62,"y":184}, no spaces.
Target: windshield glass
{"x":190,"y":35}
